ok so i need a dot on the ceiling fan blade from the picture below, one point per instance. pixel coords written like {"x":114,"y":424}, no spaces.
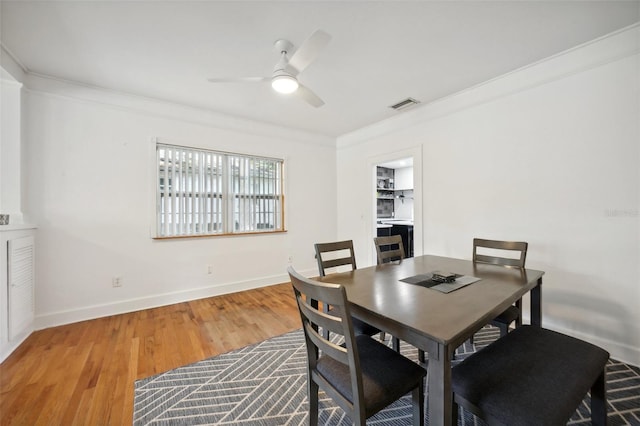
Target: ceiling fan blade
{"x":308,"y":50}
{"x":239,"y":80}
{"x":311,"y":98}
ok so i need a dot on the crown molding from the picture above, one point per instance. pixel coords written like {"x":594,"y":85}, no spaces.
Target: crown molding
{"x":44,"y":85}
{"x":603,"y":50}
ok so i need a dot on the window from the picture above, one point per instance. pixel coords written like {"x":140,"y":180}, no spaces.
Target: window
{"x":202,"y":192}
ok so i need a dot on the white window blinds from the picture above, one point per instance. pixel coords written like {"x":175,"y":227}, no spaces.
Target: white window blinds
{"x":202,"y":192}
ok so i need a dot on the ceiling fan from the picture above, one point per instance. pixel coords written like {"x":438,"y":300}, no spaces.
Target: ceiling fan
{"x":284,"y":78}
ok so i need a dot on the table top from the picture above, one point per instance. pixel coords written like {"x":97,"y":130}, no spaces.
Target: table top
{"x":378,"y":296}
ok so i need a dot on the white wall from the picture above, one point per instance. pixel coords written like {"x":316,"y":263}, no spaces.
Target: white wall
{"x":11,"y":128}
{"x":90,"y":160}
{"x":10,"y":145}
{"x":549,"y":154}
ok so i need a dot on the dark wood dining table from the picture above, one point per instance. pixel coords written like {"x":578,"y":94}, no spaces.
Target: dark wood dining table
{"x":434,"y":321}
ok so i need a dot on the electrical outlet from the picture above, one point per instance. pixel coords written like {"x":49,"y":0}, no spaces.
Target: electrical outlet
{"x":209,"y":269}
{"x":116,"y":282}
{"x":290,"y":260}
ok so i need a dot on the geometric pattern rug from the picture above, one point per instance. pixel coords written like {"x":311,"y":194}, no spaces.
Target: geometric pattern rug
{"x":265,"y":385}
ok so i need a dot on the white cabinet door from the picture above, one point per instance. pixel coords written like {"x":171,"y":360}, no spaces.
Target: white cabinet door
{"x":404,"y":178}
{"x":21,"y":284}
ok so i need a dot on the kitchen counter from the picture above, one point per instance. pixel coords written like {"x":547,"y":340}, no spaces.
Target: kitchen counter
{"x":406,"y":222}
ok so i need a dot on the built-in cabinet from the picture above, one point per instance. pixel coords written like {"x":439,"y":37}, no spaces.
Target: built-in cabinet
{"x":385,"y":192}
{"x":394,"y":193}
{"x":403,"y":179}
{"x":403,"y":193}
{"x":404,"y":230}
{"x":17,"y":285}
{"x":384,"y":230}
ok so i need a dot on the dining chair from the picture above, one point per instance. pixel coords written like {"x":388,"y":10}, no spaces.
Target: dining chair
{"x":496,"y":253}
{"x":389,"y":248}
{"x":360,"y":375}
{"x":333,"y":255}
{"x":531,"y":377}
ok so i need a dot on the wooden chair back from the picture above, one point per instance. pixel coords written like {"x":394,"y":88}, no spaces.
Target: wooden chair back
{"x":394,"y":248}
{"x":308,"y":293}
{"x":325,"y":262}
{"x":498,"y":247}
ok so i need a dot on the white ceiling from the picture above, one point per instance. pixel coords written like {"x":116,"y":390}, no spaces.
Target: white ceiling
{"x":381,"y":52}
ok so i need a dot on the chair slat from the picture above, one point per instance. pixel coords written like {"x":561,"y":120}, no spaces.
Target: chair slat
{"x":334,"y":263}
{"x":336,"y":352}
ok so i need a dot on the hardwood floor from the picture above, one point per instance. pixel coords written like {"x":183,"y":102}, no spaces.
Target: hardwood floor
{"x":83,"y":373}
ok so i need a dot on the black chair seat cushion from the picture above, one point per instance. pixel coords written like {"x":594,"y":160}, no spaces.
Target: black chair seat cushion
{"x":508,"y":316}
{"x":385,"y":374}
{"x":531,"y":376}
{"x":359,"y":327}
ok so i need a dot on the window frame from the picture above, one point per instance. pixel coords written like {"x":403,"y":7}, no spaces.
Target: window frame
{"x":229,"y":197}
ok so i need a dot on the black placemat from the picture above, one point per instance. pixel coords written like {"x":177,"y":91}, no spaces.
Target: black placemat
{"x":425,"y":280}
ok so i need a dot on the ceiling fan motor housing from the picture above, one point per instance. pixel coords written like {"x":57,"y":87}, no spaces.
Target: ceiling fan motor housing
{"x":283,"y":46}
{"x":282,"y":80}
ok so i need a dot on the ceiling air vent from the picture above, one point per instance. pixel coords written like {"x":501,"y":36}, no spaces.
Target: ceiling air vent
{"x":404,"y":104}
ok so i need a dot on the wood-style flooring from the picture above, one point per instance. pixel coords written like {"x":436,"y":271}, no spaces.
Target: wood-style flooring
{"x":83,"y":373}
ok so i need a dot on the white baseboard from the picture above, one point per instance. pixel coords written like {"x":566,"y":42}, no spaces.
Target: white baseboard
{"x":97,"y":311}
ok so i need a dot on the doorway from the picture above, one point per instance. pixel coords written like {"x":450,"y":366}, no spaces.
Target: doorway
{"x":395,"y":201}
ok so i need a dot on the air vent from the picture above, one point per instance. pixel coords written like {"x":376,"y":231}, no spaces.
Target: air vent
{"x":404,"y":104}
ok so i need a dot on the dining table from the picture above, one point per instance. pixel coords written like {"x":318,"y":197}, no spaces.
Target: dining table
{"x":433,"y":320}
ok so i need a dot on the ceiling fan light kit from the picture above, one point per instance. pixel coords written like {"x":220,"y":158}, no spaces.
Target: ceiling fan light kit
{"x":284,"y":83}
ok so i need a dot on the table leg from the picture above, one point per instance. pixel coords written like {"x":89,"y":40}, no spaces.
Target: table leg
{"x":439,"y":389}
{"x":536,"y":304}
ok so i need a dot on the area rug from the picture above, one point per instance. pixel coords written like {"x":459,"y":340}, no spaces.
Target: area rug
{"x":265,"y":384}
